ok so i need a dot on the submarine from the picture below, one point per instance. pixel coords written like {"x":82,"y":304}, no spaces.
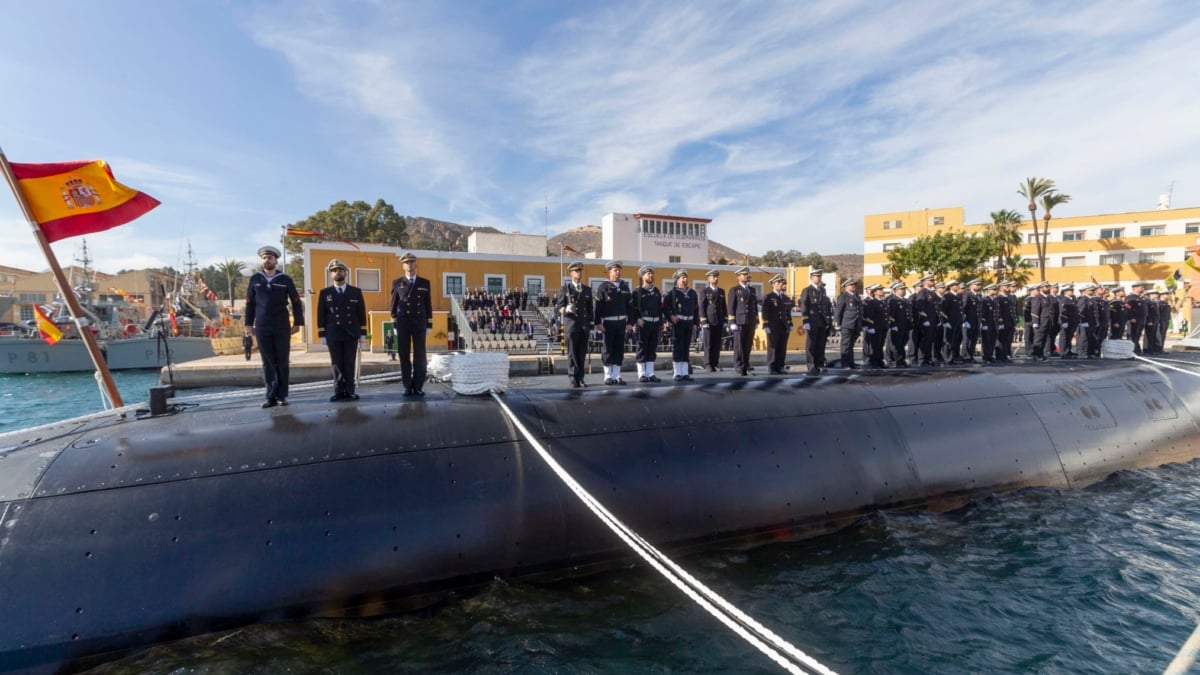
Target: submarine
{"x":117,"y":533}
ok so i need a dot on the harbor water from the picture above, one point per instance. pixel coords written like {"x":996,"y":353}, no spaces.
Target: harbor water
{"x":1102,"y":579}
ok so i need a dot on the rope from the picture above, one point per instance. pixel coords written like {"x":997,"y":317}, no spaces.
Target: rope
{"x":1182,"y":662}
{"x":732,"y":617}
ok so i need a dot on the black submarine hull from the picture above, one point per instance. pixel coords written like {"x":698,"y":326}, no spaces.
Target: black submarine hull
{"x":116,"y":534}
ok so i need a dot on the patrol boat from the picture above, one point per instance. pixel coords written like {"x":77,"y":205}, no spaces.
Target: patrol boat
{"x":121,"y":532}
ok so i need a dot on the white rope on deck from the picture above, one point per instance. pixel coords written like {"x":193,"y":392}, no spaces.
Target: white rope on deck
{"x":740,"y":623}
{"x":1183,"y":661}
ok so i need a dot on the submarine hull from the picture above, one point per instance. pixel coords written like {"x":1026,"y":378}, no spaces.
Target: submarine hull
{"x":118,"y":534}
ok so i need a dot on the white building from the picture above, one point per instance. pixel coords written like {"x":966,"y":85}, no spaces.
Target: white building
{"x":653,"y":237}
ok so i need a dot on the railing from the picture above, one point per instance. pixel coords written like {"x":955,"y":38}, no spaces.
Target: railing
{"x":464,"y":326}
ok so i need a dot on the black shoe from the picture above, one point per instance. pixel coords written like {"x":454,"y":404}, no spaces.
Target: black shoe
{"x":271,"y":403}
{"x":852,"y":366}
{"x":609,"y":380}
{"x":902,"y":364}
{"x":679,"y":378}
{"x":654,"y":378}
{"x":337,"y":397}
{"x":283,"y":401}
{"x":408,"y":391}
{"x":814,"y":371}
{"x":574,"y":384}
{"x":619,"y":381}
{"x":418,"y":392}
{"x":352,"y":396}
{"x":643,"y":379}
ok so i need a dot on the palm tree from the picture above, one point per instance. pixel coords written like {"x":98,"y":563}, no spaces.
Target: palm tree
{"x":1005,"y":227}
{"x":1033,"y":189}
{"x":231,"y":269}
{"x":1049,"y":201}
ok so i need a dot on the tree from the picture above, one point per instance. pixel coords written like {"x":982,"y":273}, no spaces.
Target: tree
{"x":794,"y":257}
{"x":231,"y":270}
{"x":1005,"y":229}
{"x":1033,"y":189}
{"x":356,"y":222}
{"x":945,"y":254}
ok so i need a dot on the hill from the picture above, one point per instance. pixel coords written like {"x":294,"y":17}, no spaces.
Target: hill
{"x":428,"y":234}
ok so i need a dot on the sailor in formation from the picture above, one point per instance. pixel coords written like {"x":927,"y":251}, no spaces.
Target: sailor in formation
{"x":900,"y":315}
{"x":925,"y":303}
{"x":268,"y":295}
{"x":848,"y":321}
{"x":876,"y":325}
{"x":743,"y":311}
{"x":613,"y":299}
{"x":777,"y":324}
{"x":341,"y":326}
{"x":989,"y":319}
{"x":1068,"y":321}
{"x":713,"y":315}
{"x":1118,"y":313}
{"x":952,"y":323}
{"x":646,"y":311}
{"x":575,"y":307}
{"x":1137,"y":314}
{"x":681,"y":307}
{"x":412,"y":315}
{"x":816,"y":316}
{"x":971,"y":329}
{"x":1007,"y":325}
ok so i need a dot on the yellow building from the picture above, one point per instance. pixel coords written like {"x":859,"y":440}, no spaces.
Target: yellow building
{"x":1117,"y":248}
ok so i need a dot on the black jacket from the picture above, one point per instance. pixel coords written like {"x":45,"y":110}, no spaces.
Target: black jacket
{"x":341,"y":316}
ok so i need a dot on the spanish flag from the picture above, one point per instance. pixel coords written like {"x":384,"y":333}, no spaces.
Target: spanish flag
{"x":73,"y":198}
{"x":50,"y":332}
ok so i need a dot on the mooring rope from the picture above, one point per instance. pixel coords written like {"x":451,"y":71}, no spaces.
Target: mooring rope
{"x":733,"y":618}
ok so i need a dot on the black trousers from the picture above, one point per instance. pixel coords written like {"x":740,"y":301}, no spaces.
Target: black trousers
{"x":1116,"y":331}
{"x":412,"y":355}
{"x":972,"y":335}
{"x":1067,"y":334}
{"x":743,"y":340}
{"x":614,"y":342}
{"x":1004,"y":348}
{"x":713,"y":334}
{"x":577,"y":343}
{"x":342,"y":355}
{"x":817,"y":337}
{"x":898,"y":338}
{"x":777,"y":349}
{"x":952,"y":342}
{"x":849,"y":337}
{"x":647,"y":341}
{"x":681,"y":335}
{"x":1135,"y":336}
{"x":925,"y":345}
{"x":1040,"y":333}
{"x":876,"y":340}
{"x":275,"y":346}
{"x":989,"y":337}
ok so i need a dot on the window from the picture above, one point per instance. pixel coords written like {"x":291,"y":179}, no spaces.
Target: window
{"x":1112,"y":233}
{"x":494,"y":283}
{"x":890,"y":246}
{"x":1031,"y":237}
{"x":26,"y":313}
{"x":1074,"y":261}
{"x":1112,"y":259}
{"x":937,"y":220}
{"x":368,"y":280}
{"x":1152,"y":256}
{"x":1154,"y":230}
{"x":453,"y":284}
{"x":1076,"y":235}
{"x":1191,"y":228}
{"x":674,"y":258}
{"x":699,"y":285}
{"x":39,"y":298}
{"x":886,"y":269}
{"x":758,"y":290}
{"x":534,"y":285}
{"x":892,"y":224}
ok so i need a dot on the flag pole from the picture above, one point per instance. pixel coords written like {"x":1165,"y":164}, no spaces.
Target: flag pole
{"x":64,"y":287}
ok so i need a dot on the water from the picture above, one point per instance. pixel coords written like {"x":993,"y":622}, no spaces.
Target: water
{"x":1102,"y":579}
{"x":40,"y":398}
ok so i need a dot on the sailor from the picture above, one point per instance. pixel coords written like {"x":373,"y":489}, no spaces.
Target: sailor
{"x":1027,"y":303}
{"x":939,"y":326}
{"x":1137,"y":314}
{"x":1104,"y":312}
{"x":1085,"y":334}
{"x":989,"y":313}
{"x":1068,"y":320}
{"x":341,"y":326}
{"x":899,"y":311}
{"x":713,"y":313}
{"x":1150,"y":334}
{"x":412,"y":315}
{"x":847,"y":319}
{"x":268,"y":295}
{"x":743,"y":313}
{"x":777,"y":323}
{"x":816,"y":316}
{"x":914,"y":335}
{"x":1118,"y":313}
{"x":952,"y":315}
{"x":682,"y":309}
{"x":925,"y":321}
{"x":1007,"y":320}
{"x":1051,"y":346}
{"x":1164,"y":320}
{"x":646,"y":311}
{"x":613,"y":299}
{"x":875,"y":322}
{"x":574,"y":306}
{"x":1041,"y":313}
{"x":971,"y":319}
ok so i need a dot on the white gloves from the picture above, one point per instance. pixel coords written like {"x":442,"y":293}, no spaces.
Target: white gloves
{"x":894,"y":329}
{"x":1035,"y":326}
{"x":733,"y":327}
{"x":768,"y":330}
{"x":1084,"y":324}
{"x":967,"y":325}
{"x":925,"y":324}
{"x":1064,"y":325}
{"x":1001,"y":326}
{"x":870,"y":331}
{"x":323,"y":341}
{"x":807,"y":327}
{"x":984,"y":327}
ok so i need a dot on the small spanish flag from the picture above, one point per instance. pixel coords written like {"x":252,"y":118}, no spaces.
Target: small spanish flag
{"x":174,"y":323}
{"x":73,"y":198}
{"x":50,"y":332}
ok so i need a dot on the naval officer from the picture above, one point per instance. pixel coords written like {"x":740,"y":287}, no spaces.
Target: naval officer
{"x":613,"y":299}
{"x":681,"y":307}
{"x":412,"y":315}
{"x":646,"y":311}
{"x":341,"y":326}
{"x":575,"y":306}
{"x":713,"y":314}
{"x":777,"y":323}
{"x":743,"y":312}
{"x":268,"y":295}
{"x":816,"y":314}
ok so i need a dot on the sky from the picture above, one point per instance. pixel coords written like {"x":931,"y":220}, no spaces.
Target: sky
{"x":784,"y":122}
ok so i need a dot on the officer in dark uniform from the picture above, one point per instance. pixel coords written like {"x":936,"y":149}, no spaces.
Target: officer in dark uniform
{"x":777,"y":323}
{"x":1051,"y":346}
{"x":1118,"y":313}
{"x":847,"y":318}
{"x":1102,"y":307}
{"x":1137,"y":314}
{"x":575,"y":309}
{"x":412,"y":314}
{"x":613,"y":299}
{"x":1026,"y":307}
{"x":989,"y":315}
{"x":1041,"y":313}
{"x":875,"y":322}
{"x":713,"y":315}
{"x":1007,"y":320}
{"x":925,"y":318}
{"x":743,"y":311}
{"x":268,"y":295}
{"x":899,"y":311}
{"x":939,"y":323}
{"x":681,"y":307}
{"x":1068,"y":319}
{"x":1164,"y":321}
{"x":341,"y":326}
{"x":952,"y":323}
{"x":646,"y":312}
{"x":1150,"y":334}
{"x":914,"y":335}
{"x":971,"y":319}
{"x":816,"y":316}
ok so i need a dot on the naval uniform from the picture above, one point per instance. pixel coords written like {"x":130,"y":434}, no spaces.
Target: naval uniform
{"x":713,"y":313}
{"x":1137,"y":319}
{"x":900,"y":317}
{"x":575,"y":306}
{"x":777,"y":323}
{"x":971,"y":327}
{"x":1150,"y":332}
{"x":925,"y":319}
{"x":816,"y":315}
{"x":1118,"y":313}
{"x":848,"y":319}
{"x":1069,"y":322}
{"x":266,"y":311}
{"x":412,"y":313}
{"x":1007,"y":325}
{"x":646,"y":308}
{"x":681,"y":308}
{"x":342,"y":322}
{"x":743,"y":309}
{"x":952,"y":327}
{"x":875,"y":318}
{"x":612,"y":312}
{"x":989,"y":318}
